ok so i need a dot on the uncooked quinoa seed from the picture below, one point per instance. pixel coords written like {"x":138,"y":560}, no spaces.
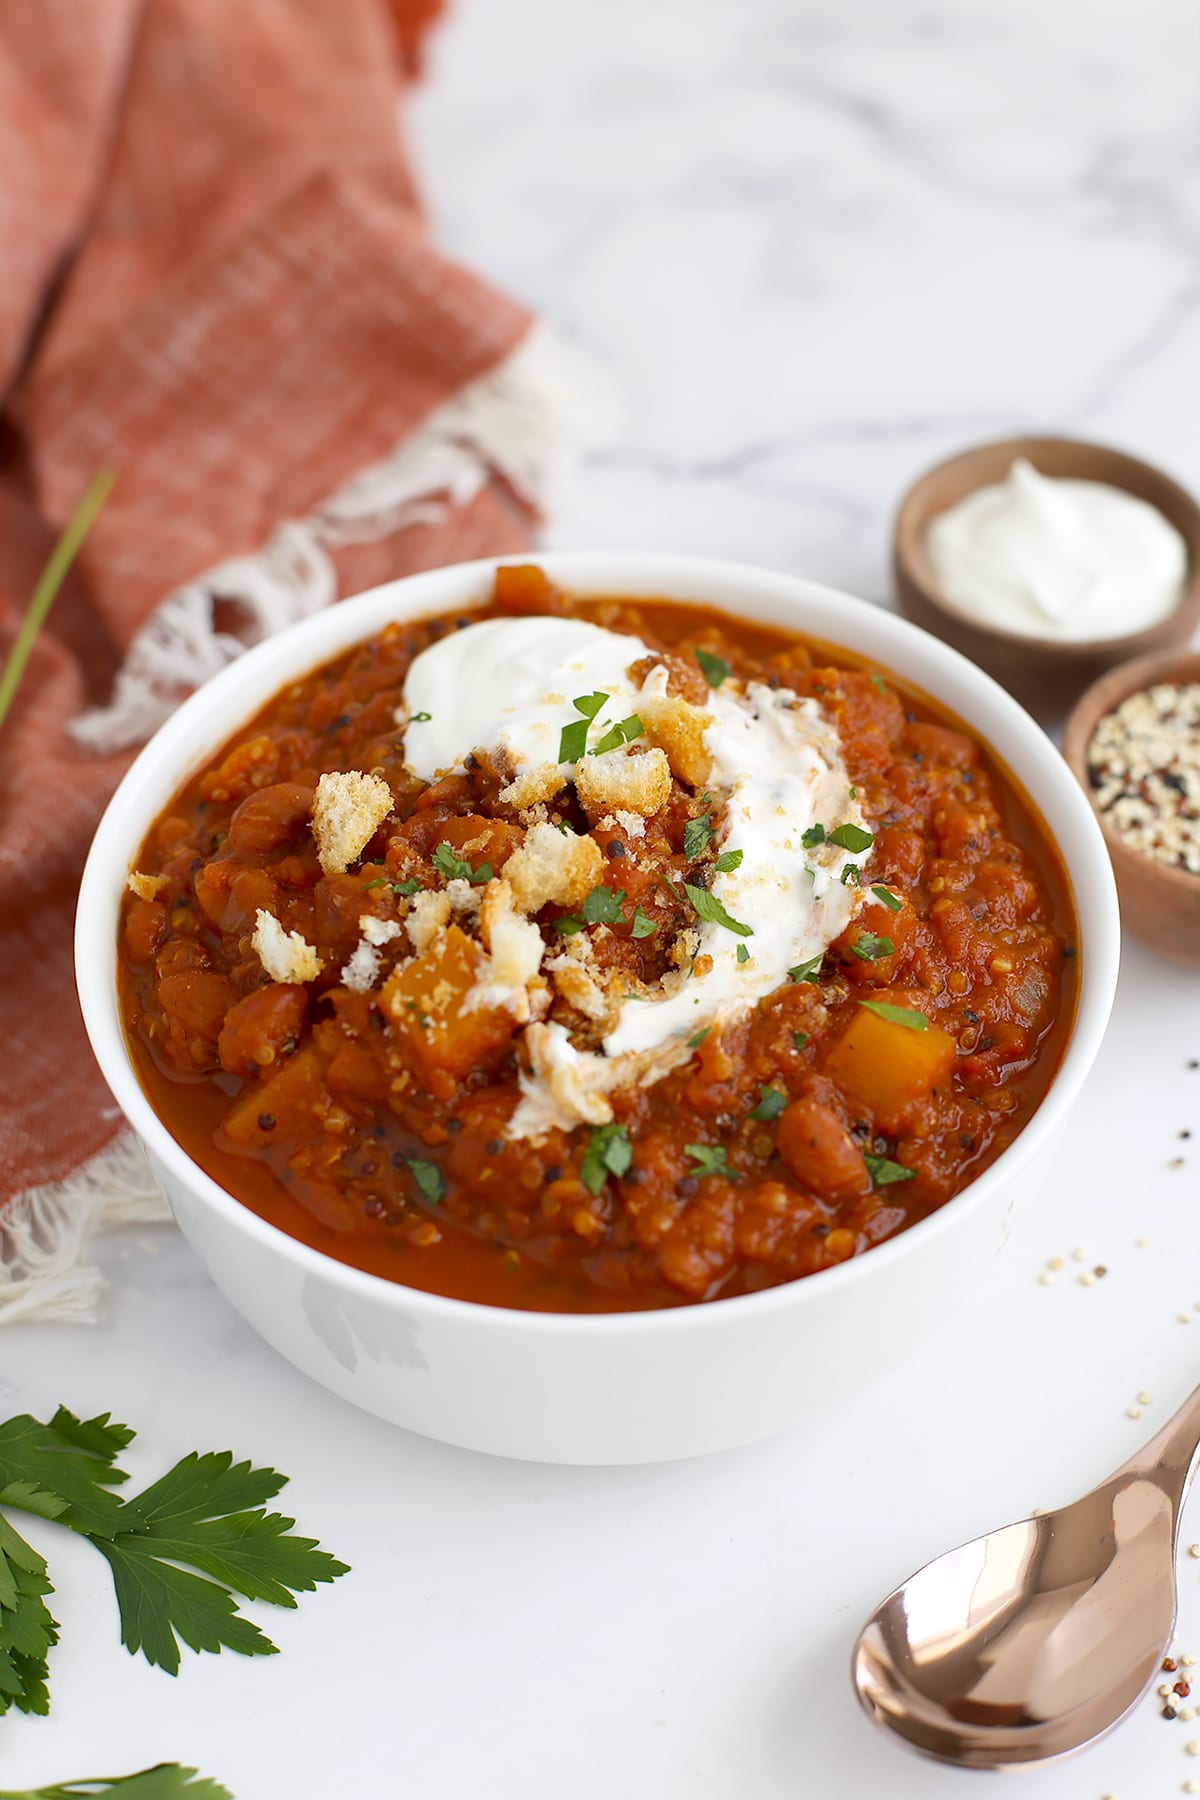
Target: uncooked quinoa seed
{"x":1144,"y":765}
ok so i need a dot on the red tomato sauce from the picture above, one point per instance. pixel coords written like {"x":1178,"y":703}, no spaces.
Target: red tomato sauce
{"x":827,"y":1125}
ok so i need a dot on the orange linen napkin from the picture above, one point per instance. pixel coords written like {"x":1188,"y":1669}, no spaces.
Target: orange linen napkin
{"x":215,"y":281}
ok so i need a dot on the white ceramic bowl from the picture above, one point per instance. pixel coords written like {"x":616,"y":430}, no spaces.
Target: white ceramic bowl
{"x":622,"y":1387}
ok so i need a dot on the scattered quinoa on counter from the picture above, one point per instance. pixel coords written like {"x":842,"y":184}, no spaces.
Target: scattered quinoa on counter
{"x":1144,"y":765}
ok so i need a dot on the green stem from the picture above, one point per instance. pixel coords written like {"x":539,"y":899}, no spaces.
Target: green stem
{"x":44,"y":596}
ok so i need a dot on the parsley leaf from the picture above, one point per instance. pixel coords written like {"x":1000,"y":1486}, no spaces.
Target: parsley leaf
{"x":421,"y":718}
{"x":892,"y":901}
{"x":572,"y":742}
{"x":569,"y":924}
{"x":897,"y":1015}
{"x":743,"y":955}
{"x":165,"y":1781}
{"x":623,"y":732}
{"x":707,"y":906}
{"x":642,"y":926}
{"x":429,"y":1178}
{"x":728,"y":861}
{"x":27,"y":1631}
{"x":877,"y":681}
{"x":698,"y":1037}
{"x":884,"y":1172}
{"x":70,"y":1458}
{"x":870,"y":947}
{"x":852,"y":837}
{"x":603,"y":906}
{"x":813,"y":836}
{"x":697,"y":834}
{"x":850,"y":875}
{"x":711,"y":1159}
{"x":810,"y":970}
{"x":715,"y":669}
{"x":609,"y":1152}
{"x":770,"y":1104}
{"x":447,"y":862}
{"x":799,"y":1038}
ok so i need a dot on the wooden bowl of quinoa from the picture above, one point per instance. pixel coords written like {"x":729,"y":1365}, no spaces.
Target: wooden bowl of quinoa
{"x":1133,"y":743}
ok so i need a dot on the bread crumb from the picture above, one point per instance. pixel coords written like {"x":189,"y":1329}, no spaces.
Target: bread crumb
{"x":678,"y":729}
{"x":348,"y":809}
{"x":632,"y":824}
{"x":581,"y":990}
{"x":379,"y":931}
{"x":553,"y":866}
{"x":464,"y":896}
{"x":144,"y":886}
{"x":637,"y":783}
{"x":515,"y":948}
{"x":533,"y":786}
{"x":283,"y":954}
{"x":428,"y":913}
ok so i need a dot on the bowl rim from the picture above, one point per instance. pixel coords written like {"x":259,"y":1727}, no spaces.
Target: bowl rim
{"x":1102,"y":697}
{"x":253,"y":677}
{"x":910,"y":523}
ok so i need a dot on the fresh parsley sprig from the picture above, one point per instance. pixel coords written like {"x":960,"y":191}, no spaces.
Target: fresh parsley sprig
{"x":609,"y":1152}
{"x":165,"y":1781}
{"x":180,"y":1553}
{"x":454,"y":867}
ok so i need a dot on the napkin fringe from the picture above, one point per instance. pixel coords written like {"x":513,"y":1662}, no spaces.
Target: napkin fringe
{"x":524,"y":421}
{"x":45,"y":1232}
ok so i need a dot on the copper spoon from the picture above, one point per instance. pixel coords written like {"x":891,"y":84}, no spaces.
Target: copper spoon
{"x":1036,"y":1639}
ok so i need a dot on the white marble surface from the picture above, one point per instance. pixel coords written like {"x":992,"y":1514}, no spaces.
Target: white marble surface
{"x":814,"y":246}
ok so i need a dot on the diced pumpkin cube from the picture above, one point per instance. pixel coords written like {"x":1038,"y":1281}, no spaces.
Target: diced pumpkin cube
{"x":293,"y":1101}
{"x":884,"y":1068}
{"x":426,"y":1002}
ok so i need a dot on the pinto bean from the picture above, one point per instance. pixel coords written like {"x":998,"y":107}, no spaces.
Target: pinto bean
{"x":198,"y":999}
{"x":271,"y":818}
{"x":818,"y":1150}
{"x":260,"y":1028}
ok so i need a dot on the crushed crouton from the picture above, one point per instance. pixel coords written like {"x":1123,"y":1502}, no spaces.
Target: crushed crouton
{"x":632,"y":824}
{"x":635,"y":783}
{"x":686,"y":944}
{"x":365,"y":965}
{"x":283,"y":954}
{"x":532,"y":786}
{"x":678,"y":728}
{"x":428,"y":913}
{"x":348,"y":809}
{"x":464,"y":896}
{"x":581,"y":990}
{"x":145,"y":886}
{"x":553,"y":866}
{"x":379,"y":931}
{"x":515,"y":949}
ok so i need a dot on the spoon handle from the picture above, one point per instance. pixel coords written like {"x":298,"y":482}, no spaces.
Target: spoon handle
{"x":1172,"y":1456}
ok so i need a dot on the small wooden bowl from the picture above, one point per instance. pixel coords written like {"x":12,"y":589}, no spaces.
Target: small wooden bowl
{"x":1043,"y":673}
{"x":1159,"y":904}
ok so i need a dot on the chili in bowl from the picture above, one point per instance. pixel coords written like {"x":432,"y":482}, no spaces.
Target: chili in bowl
{"x":591,"y":1026}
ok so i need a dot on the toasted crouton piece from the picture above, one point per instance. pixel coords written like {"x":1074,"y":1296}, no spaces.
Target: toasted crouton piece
{"x":638,"y":783}
{"x":515,"y":949}
{"x":428,"y":913}
{"x":283,"y":954}
{"x":678,"y":728}
{"x":348,"y":809}
{"x":144,"y":886}
{"x":583,"y":991}
{"x":534,"y":785}
{"x":553,"y":866}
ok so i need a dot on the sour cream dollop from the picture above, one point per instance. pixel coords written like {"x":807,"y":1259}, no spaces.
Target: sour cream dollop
{"x":776,"y":772}
{"x":1064,"y":559}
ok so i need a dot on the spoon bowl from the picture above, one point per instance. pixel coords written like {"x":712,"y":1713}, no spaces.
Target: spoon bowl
{"x":1038,"y":1638}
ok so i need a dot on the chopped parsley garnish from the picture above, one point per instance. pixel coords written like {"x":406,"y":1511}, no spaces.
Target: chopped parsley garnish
{"x":852,"y":837}
{"x":883,"y":1171}
{"x":379,"y":881}
{"x":609,"y":1152}
{"x":870,"y":947}
{"x":572,"y":743}
{"x":850,"y":877}
{"x":711,"y":1159}
{"x":698,"y":1037}
{"x":181,"y":1552}
{"x":697,"y":835}
{"x":642,"y":926}
{"x":897,"y":1015}
{"x":743,"y":955}
{"x":708,"y":907}
{"x":411,"y":886}
{"x":602,"y":907}
{"x":799,"y":1038}
{"x":877,"y":681}
{"x":421,"y":718}
{"x":892,"y":901}
{"x":770,"y":1104}
{"x":454,"y":867}
{"x":728,"y":861}
{"x":808,"y":971}
{"x":715,"y":668}
{"x":429,"y":1179}
{"x":813,"y":836}
{"x":624,"y":732}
